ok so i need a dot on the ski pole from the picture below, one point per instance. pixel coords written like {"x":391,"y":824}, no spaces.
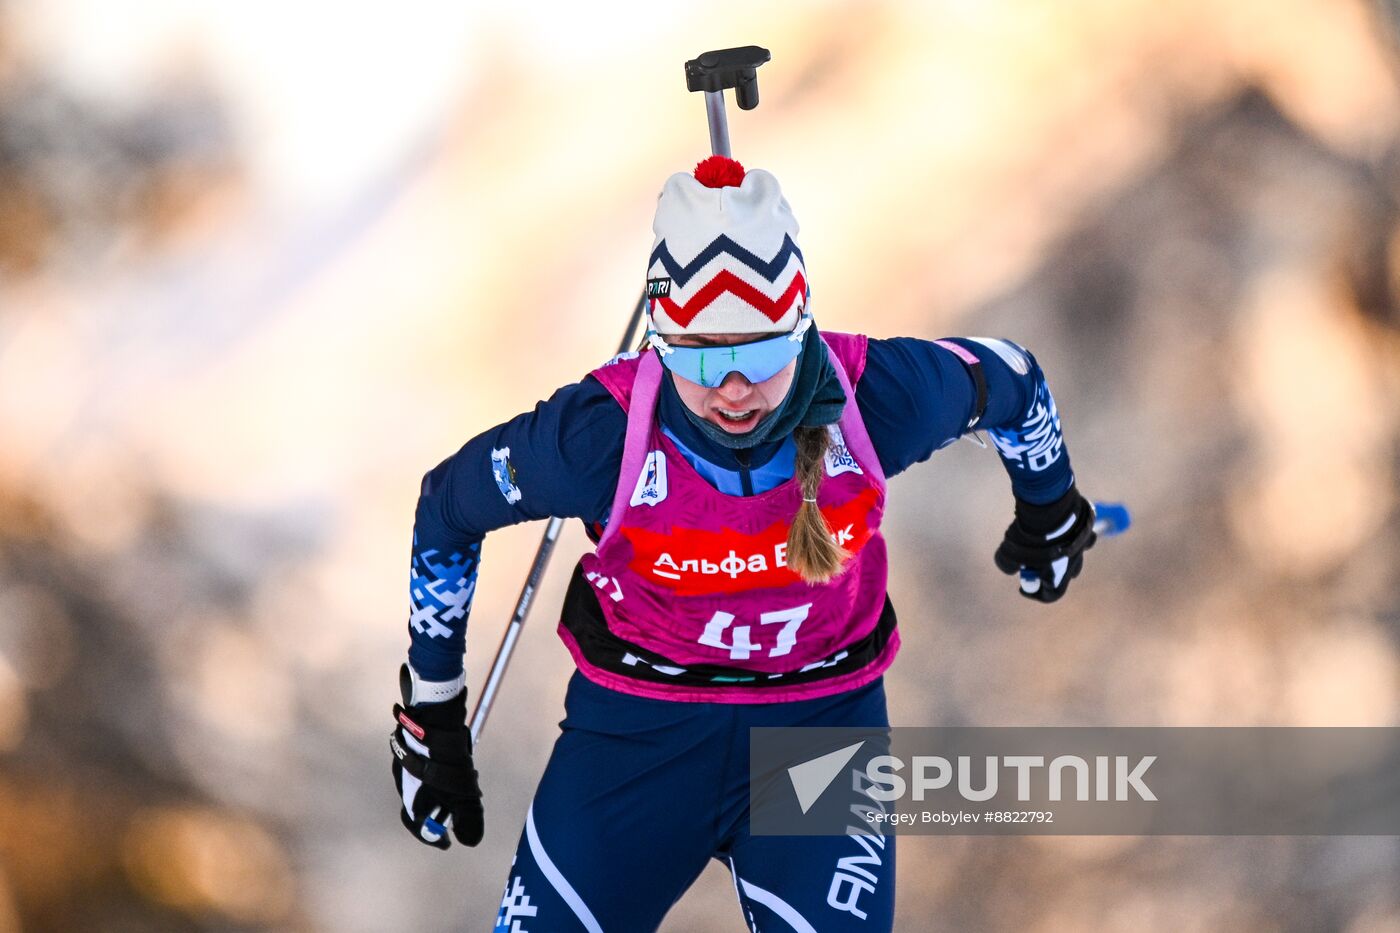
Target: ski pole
{"x":711,"y":72}
{"x":532,"y":582}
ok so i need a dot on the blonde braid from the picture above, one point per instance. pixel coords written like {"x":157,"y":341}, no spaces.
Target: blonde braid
{"x":812,"y":551}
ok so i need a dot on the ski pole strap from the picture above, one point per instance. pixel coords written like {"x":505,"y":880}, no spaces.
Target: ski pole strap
{"x":974,"y":369}
{"x":457,"y":740}
{"x":460,"y":779}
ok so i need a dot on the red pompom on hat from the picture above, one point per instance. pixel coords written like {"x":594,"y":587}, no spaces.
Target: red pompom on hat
{"x":719,"y":172}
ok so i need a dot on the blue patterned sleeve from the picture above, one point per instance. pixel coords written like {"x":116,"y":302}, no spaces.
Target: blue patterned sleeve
{"x":440,"y":588}
{"x":561,"y":459}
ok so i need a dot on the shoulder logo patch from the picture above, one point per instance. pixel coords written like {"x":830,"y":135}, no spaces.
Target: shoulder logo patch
{"x":838,"y":456}
{"x":504,"y":474}
{"x":651,"y":484}
{"x":628,"y":355}
{"x":1010,"y":354}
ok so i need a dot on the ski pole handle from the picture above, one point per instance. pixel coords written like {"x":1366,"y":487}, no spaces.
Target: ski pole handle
{"x":712,"y":72}
{"x":1110,"y":520}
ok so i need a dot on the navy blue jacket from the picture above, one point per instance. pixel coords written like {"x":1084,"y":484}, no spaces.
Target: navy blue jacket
{"x":564,"y":457}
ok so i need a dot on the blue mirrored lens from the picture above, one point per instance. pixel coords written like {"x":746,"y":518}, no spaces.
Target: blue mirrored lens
{"x":758,"y":361}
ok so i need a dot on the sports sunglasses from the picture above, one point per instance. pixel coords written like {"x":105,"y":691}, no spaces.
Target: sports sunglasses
{"x":757,"y":360}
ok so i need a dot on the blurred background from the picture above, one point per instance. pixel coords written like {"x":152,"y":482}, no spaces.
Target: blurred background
{"x":263,"y":265}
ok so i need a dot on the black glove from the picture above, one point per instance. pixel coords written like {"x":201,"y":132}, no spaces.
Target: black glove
{"x":433,"y":769}
{"x":1049,"y":542}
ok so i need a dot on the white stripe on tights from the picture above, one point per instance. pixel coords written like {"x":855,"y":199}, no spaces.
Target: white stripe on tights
{"x":743,"y":908}
{"x":779,"y":906}
{"x":561,"y":884}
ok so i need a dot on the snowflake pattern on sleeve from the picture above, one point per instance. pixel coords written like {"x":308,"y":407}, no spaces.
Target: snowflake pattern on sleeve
{"x":441,"y":591}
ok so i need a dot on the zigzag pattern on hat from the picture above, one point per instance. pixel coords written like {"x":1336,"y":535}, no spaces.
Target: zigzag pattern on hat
{"x":769,"y":269}
{"x":724,"y":262}
{"x":727,"y":282}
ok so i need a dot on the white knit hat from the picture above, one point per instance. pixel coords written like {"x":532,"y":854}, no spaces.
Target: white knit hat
{"x":725,"y":259}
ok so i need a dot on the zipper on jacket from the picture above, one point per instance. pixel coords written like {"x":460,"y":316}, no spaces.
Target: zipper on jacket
{"x":745,"y":480}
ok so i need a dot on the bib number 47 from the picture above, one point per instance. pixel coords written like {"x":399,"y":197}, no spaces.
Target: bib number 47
{"x":740,"y":648}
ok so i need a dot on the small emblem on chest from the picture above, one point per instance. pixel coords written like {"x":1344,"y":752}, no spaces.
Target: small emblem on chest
{"x":651,"y":484}
{"x":838,"y":456}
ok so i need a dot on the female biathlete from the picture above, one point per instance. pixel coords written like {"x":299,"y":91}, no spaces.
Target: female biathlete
{"x":732,"y":476}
